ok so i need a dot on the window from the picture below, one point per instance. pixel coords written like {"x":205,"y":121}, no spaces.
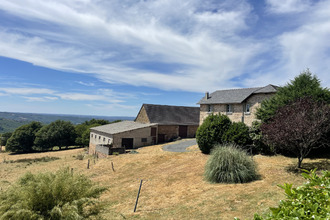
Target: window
{"x":91,"y":135}
{"x":143,"y":139}
{"x":229,"y":108}
{"x":210,"y":108}
{"x":103,"y":139}
{"x":247,"y":108}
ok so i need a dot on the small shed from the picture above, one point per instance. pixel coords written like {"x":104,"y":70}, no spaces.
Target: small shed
{"x":121,"y":135}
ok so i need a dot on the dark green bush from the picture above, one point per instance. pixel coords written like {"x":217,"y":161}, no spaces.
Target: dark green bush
{"x":239,"y":134}
{"x":211,"y":132}
{"x":309,"y":201}
{"x":228,"y":164}
{"x":258,"y":144}
{"x":60,"y":195}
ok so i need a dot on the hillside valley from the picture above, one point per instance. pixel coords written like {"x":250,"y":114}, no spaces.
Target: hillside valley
{"x":9,"y":121}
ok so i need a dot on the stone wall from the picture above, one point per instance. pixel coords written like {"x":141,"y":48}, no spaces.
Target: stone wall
{"x":137,"y":135}
{"x":92,"y":148}
{"x":192,"y":131}
{"x":255,"y":102}
{"x":170,"y":131}
{"x":142,"y":117}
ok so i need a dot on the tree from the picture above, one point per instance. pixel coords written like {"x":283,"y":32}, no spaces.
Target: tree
{"x":58,"y":133}
{"x":303,"y":85}
{"x":211,"y":132}
{"x":83,"y":131}
{"x":22,"y":140}
{"x":299,"y":127}
{"x":4,"y":138}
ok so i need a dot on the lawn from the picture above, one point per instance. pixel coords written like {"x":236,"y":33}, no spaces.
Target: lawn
{"x":173,"y":185}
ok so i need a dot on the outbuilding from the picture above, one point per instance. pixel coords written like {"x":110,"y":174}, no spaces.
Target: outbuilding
{"x":153,"y":124}
{"x":121,"y":135}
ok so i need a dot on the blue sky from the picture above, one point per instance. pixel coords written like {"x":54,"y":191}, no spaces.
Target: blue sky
{"x":102,"y":57}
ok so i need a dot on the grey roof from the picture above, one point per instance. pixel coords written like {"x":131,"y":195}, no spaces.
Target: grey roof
{"x":120,"y":127}
{"x":172,"y":115}
{"x":234,"y":96}
{"x":267,"y":89}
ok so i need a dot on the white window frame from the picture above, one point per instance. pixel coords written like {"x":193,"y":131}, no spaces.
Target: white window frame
{"x":247,"y":108}
{"x":229,"y":108}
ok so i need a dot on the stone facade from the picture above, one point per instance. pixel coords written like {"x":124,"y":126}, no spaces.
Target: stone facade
{"x":238,"y":113}
{"x":142,"y":117}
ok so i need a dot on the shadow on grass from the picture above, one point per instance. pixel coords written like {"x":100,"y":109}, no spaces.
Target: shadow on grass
{"x":32,"y":160}
{"x":55,"y":149}
{"x":323,"y":164}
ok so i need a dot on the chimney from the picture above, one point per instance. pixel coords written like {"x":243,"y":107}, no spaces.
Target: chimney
{"x":207,"y":95}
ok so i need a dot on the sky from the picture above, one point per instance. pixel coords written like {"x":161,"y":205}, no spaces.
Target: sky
{"x":108,"y":57}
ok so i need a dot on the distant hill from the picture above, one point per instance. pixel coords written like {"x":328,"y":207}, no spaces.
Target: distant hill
{"x":9,"y":121}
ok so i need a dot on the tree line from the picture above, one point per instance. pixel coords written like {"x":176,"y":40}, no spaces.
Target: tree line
{"x":38,"y":137}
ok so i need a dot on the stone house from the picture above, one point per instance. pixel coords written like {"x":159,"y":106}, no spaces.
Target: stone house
{"x":153,"y":124}
{"x":237,"y":104}
{"x":173,"y":121}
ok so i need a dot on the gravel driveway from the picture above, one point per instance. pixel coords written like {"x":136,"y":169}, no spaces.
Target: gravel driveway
{"x":180,"y":146}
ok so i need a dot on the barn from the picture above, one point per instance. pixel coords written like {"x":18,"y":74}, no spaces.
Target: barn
{"x":153,"y":124}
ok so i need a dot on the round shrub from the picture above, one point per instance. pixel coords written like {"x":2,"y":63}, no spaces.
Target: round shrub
{"x":211,"y":132}
{"x":60,"y":195}
{"x":228,"y":164}
{"x":238,"y":133}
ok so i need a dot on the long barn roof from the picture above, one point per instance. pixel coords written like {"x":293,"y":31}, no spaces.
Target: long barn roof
{"x":172,"y":115}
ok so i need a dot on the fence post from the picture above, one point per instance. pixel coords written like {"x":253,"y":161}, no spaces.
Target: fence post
{"x":113,"y":169}
{"x":88,"y":164}
{"x":137,"y":198}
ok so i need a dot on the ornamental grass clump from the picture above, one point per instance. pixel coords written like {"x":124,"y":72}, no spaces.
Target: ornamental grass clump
{"x":228,"y":164}
{"x":60,"y":195}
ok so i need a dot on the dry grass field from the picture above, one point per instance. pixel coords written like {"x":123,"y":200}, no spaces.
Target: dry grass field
{"x":173,"y":185}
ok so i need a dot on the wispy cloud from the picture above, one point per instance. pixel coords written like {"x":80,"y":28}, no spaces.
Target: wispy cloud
{"x":85,"y":83}
{"x":26,"y":91}
{"x":43,"y":95}
{"x":288,"y":6}
{"x":40,"y":99}
{"x":195,"y":45}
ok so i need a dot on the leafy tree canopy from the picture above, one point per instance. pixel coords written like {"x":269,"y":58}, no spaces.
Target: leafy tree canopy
{"x":299,"y":127}
{"x":58,"y":133}
{"x":22,"y":140}
{"x":4,"y":138}
{"x":303,"y":85}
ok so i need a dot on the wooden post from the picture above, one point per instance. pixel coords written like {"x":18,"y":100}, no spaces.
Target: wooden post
{"x":71,"y":171}
{"x":88,"y":164}
{"x":138,"y":195}
{"x":113,"y":169}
